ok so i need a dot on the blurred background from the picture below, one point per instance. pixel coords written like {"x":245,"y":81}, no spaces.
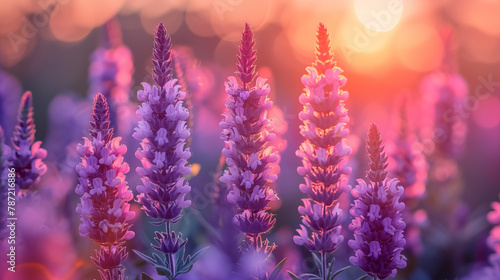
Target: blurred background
{"x":386,"y":49}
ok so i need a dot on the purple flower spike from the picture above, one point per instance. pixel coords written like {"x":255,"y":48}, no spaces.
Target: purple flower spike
{"x":163,"y":131}
{"x":324,"y":153}
{"x":378,"y":224}
{"x":27,"y":157}
{"x":246,"y":58}
{"x":104,"y":206}
{"x":247,"y":133}
{"x":162,"y":71}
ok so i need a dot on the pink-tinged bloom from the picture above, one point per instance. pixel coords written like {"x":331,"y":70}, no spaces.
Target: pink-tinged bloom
{"x":324,"y":151}
{"x":247,"y":133}
{"x":378,"y":221}
{"x":104,"y":206}
{"x":27,"y":156}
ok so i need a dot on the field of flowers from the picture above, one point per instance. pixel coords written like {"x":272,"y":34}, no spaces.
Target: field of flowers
{"x":235,"y":140}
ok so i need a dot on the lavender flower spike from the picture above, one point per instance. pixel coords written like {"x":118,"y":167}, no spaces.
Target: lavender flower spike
{"x":378,"y":224}
{"x":163,"y":131}
{"x":27,"y":155}
{"x":104,"y":205}
{"x":247,"y":133}
{"x":323,"y":153}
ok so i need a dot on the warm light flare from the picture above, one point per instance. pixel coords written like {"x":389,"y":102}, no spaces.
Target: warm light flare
{"x":381,"y":15}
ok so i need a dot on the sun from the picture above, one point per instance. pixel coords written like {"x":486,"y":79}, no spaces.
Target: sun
{"x":379,"y":15}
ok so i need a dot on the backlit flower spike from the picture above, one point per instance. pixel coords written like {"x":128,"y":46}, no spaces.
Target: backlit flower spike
{"x":247,"y":133}
{"x":104,"y":206}
{"x":324,"y":56}
{"x":162,"y":131}
{"x":27,"y":156}
{"x":110,"y":73}
{"x":4,"y":177}
{"x":409,"y":166}
{"x":378,"y":223}
{"x":324,"y":153}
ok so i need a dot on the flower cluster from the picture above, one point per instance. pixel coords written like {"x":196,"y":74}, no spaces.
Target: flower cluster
{"x":378,"y":224}
{"x":27,"y":155}
{"x":110,"y":73}
{"x":163,"y":131}
{"x":324,"y":151}
{"x":104,"y":206}
{"x":247,"y":133}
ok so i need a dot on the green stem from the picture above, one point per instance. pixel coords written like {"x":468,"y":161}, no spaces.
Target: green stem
{"x":170,"y":256}
{"x":323,"y":263}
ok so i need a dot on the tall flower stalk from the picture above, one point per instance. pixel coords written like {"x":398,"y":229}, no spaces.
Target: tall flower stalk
{"x":104,"y":205}
{"x":324,"y":153}
{"x":163,"y":131}
{"x":247,"y":133}
{"x":27,"y":156}
{"x":378,"y":223}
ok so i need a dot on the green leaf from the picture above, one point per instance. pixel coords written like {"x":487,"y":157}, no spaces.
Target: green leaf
{"x":332,"y":264}
{"x":277,"y":269}
{"x":192,"y":259}
{"x":144,"y":276}
{"x":293,"y":276}
{"x":163,"y":271}
{"x":311,"y":276}
{"x":317,"y":261}
{"x":338,"y":272}
{"x":145,"y":257}
{"x":363,"y":277}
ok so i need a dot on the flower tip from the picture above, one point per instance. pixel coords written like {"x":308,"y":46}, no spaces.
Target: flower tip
{"x":160,"y":29}
{"x":27,"y":99}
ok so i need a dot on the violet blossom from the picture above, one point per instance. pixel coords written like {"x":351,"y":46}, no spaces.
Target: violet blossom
{"x":378,"y":223}
{"x":247,"y":133}
{"x":104,"y":205}
{"x":163,"y":131}
{"x":324,"y":153}
{"x":27,"y":156}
